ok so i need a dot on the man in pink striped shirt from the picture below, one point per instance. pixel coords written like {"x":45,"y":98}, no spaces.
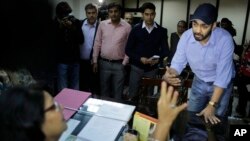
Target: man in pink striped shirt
{"x":109,"y":52}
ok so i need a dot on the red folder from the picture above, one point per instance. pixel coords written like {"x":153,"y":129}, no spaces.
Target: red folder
{"x":72,"y":99}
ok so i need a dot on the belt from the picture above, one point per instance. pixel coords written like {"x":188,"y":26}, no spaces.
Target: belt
{"x":111,"y":61}
{"x":210,"y":83}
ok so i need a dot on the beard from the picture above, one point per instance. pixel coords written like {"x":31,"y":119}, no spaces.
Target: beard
{"x":202,"y":37}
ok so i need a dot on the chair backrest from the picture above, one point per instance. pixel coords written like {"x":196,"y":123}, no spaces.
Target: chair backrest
{"x":149,"y":83}
{"x":148,"y":95}
{"x":161,"y":72}
{"x":145,"y":81}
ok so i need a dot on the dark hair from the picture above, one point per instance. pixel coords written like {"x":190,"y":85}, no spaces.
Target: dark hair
{"x":103,"y":12}
{"x":147,"y":5}
{"x":63,"y":9}
{"x":227,"y":21}
{"x":22,"y":114}
{"x":182,"y":21}
{"x":90,"y":6}
{"x":228,"y":25}
{"x":114,"y":4}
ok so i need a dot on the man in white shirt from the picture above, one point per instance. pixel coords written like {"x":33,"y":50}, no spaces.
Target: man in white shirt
{"x":89,"y":26}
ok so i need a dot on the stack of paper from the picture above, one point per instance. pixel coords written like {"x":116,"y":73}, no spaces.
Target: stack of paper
{"x":107,"y":122}
{"x":72,"y":123}
{"x":117,"y":112}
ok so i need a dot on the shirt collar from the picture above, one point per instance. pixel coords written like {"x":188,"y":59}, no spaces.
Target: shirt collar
{"x":120,"y":23}
{"x":86,"y":23}
{"x":144,"y":25}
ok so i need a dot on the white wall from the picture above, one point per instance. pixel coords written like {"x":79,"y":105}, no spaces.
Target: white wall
{"x":248,"y":30}
{"x":236,"y":12}
{"x":175,"y":10}
{"x":130,"y":3}
{"x":195,"y":3}
{"x":78,"y":6}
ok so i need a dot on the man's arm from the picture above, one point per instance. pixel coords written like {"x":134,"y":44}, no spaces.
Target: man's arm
{"x":209,"y":111}
{"x":178,"y":63}
{"x":97,"y":47}
{"x":224,"y":72}
{"x":97,"y":43}
{"x":164,"y":44}
{"x":131,"y":46}
{"x":79,"y":34}
{"x":179,"y":60}
{"x":126,"y":58}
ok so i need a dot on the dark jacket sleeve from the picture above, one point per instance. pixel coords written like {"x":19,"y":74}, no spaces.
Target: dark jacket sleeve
{"x":164,"y":45}
{"x":91,"y":53}
{"x":130,"y":47}
{"x":78,"y":31}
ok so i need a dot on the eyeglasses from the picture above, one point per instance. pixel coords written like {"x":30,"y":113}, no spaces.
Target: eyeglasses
{"x":55,"y":107}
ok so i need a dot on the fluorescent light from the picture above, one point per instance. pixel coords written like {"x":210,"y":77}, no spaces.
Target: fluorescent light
{"x":100,"y":1}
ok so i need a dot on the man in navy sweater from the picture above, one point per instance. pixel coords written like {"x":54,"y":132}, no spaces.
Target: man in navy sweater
{"x":147,"y":39}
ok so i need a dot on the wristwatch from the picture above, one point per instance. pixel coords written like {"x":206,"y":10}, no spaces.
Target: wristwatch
{"x":214,"y":104}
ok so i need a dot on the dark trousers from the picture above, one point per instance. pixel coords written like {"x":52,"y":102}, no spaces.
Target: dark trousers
{"x":244,"y":95}
{"x":89,"y":81}
{"x":136,"y":75}
{"x":111,"y":79}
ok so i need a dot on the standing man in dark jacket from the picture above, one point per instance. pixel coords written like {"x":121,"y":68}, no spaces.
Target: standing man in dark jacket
{"x":147,"y":39}
{"x":88,"y":79}
{"x":68,"y":38}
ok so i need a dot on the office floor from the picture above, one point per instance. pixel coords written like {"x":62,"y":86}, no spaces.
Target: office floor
{"x":233,"y":119}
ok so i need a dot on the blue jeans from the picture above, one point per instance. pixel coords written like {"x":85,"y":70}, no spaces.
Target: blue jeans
{"x":200,"y":95}
{"x":68,"y":76}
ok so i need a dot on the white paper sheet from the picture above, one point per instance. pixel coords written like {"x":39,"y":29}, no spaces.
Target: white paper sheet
{"x":71,"y":123}
{"x":101,"y":129}
{"x":116,"y":112}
